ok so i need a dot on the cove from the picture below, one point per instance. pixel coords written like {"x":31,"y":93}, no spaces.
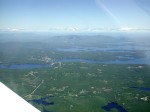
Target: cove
{"x":134,"y":61}
{"x":113,"y":105}
{"x":22,"y":66}
{"x":32,"y":66}
{"x":43,"y":101}
{"x":141,"y":88}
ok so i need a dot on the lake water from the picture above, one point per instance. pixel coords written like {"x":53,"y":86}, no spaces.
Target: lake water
{"x":42,"y":101}
{"x":39,"y":101}
{"x":135,"y":61}
{"x":32,"y":66}
{"x":22,"y":66}
{"x":108,"y":48}
{"x":113,"y":105}
{"x":140,"y":88}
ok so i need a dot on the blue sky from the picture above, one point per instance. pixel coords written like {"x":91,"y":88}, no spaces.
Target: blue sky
{"x":74,"y":15}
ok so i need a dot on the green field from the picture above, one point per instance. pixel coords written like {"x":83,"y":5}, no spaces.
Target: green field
{"x":76,"y":86}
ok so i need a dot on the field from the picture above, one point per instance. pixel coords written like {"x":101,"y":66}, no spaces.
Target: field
{"x":78,"y":73}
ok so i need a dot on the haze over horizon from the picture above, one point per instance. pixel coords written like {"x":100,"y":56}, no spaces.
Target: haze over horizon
{"x":75,"y":15}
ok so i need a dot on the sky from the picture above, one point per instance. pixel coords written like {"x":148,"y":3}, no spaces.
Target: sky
{"x":74,"y":15}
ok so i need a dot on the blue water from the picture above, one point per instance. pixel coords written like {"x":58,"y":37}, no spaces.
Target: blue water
{"x":23,"y":66}
{"x":113,"y":105}
{"x":141,"y":88}
{"x":109,"y":48}
{"x":134,"y":61}
{"x":43,"y":101}
{"x":39,"y":101}
{"x":32,"y":66}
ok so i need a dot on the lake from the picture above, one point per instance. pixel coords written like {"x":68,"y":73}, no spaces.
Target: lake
{"x":22,"y":66}
{"x":113,"y":105}
{"x":140,"y":88}
{"x":32,"y":66}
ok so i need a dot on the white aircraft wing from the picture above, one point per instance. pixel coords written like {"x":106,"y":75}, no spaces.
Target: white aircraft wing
{"x":11,"y":102}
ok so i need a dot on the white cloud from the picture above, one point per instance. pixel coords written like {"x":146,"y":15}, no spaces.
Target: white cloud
{"x":13,"y":30}
{"x":129,"y":29}
{"x":64,"y":29}
{"x":101,"y":29}
{"x":73,"y":29}
{"x":126,"y":29}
